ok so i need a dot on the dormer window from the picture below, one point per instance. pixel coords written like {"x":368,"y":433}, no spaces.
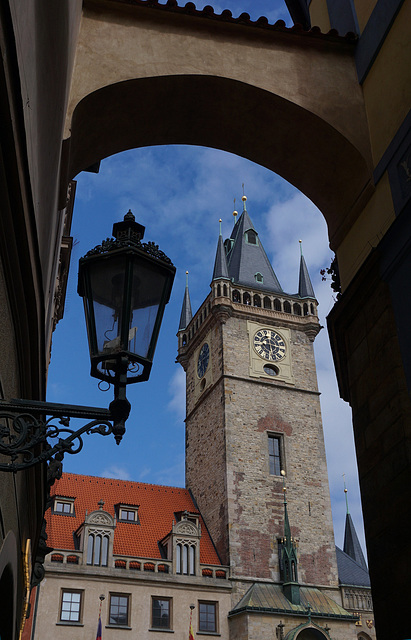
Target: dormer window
{"x":182,"y":544}
{"x":64,"y":506}
{"x":95,"y":537}
{"x":259,"y":277}
{"x":251,"y":237}
{"x":127,"y":513}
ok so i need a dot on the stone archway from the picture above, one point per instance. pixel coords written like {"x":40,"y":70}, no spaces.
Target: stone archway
{"x":229,"y":115}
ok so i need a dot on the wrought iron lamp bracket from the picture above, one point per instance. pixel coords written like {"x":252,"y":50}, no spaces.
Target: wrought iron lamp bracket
{"x":29,"y":434}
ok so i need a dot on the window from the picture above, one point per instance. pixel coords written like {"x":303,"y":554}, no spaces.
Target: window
{"x":259,"y":277}
{"x":70,"y":606}
{"x":161,"y":613}
{"x":185,"y":559}
{"x":128,"y":514}
{"x":63,"y":506}
{"x":97,"y":549}
{"x":251,"y":237}
{"x":207,"y":616}
{"x":274,"y":454}
{"x":119,"y":609}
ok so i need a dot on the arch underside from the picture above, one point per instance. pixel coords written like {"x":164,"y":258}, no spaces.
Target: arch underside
{"x":224,"y":114}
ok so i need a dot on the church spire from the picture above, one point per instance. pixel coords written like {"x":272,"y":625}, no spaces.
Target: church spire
{"x":352,"y":545}
{"x":305,"y":288}
{"x":247,"y":261}
{"x":220,"y":263}
{"x":186,"y":313}
{"x":291,"y":587}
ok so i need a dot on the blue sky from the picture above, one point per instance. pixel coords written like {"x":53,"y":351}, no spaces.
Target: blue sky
{"x":179,"y":193}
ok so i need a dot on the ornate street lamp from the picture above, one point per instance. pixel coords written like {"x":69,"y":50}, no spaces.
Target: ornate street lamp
{"x":125,"y":285}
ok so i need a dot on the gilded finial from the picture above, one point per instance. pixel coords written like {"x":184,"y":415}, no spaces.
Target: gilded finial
{"x":244,"y":199}
{"x":186,"y":278}
{"x":220,"y":221}
{"x":346,"y":496}
{"x":301,"y":247}
{"x":235,"y":213}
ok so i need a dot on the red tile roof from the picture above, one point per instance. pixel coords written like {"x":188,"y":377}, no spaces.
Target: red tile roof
{"x":157,"y":506}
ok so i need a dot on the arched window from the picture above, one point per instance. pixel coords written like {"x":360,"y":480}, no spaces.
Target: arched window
{"x":305,"y":309}
{"x":97,"y":549}
{"x":297,"y":309}
{"x":312,"y":308}
{"x":267,"y":303}
{"x":246,"y":298}
{"x":277,"y":306}
{"x":225,"y":290}
{"x":251,"y":237}
{"x":218,"y":291}
{"x":287,"y":307}
{"x":257,"y":301}
{"x":259,"y":277}
{"x":184,"y":340}
{"x":186,"y":559}
{"x":236,"y":296}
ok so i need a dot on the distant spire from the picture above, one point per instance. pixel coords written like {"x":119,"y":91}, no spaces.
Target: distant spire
{"x":346,"y":496}
{"x":291,"y":587}
{"x":352,"y":545}
{"x":186,"y":313}
{"x":220,"y":263}
{"x":305,"y":288}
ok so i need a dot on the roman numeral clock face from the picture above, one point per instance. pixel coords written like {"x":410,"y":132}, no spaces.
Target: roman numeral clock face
{"x":203,"y":358}
{"x":269,"y":345}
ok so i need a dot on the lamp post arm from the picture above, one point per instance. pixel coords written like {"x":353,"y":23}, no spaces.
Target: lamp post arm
{"x":26,"y":436}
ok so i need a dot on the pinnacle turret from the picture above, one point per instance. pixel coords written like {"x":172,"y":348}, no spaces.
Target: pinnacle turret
{"x":220,"y":263}
{"x":305,"y":288}
{"x":186,"y":313}
{"x":291,"y":587}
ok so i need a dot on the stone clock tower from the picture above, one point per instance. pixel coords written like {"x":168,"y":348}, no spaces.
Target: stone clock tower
{"x":253,"y":420}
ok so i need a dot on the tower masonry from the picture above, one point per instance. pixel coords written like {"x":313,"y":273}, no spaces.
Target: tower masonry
{"x":253,"y":412}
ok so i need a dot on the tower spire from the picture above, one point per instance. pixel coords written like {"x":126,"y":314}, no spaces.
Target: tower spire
{"x":352,"y":545}
{"x":186,"y":313}
{"x":291,"y":587}
{"x":220,"y":262}
{"x":305,"y":288}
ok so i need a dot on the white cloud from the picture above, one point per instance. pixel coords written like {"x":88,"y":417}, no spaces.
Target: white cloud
{"x":117,"y":472}
{"x":177,"y":389}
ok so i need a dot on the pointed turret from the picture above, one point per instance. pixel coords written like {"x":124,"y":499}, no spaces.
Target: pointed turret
{"x":291,"y":587}
{"x":247,"y":261}
{"x":186,"y":313}
{"x":352,"y":545}
{"x":220,"y":263}
{"x":305,"y":288}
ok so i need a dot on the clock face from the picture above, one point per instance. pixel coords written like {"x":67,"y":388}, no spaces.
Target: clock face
{"x":203,"y":358}
{"x":269,"y":345}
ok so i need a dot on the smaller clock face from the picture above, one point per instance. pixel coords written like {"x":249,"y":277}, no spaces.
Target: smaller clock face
{"x":203,"y":358}
{"x":269,"y":345}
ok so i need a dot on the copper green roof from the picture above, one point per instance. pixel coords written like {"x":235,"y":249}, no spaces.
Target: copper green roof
{"x":266,"y":597}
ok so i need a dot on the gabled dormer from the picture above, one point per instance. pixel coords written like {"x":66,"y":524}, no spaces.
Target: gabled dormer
{"x":182,"y":544}
{"x":96,"y":536}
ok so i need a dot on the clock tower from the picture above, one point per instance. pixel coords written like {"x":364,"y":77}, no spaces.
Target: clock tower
{"x":253,"y":422}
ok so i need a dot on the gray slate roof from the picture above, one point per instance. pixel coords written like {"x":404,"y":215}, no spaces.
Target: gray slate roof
{"x":350,"y":572}
{"x":245,"y":260}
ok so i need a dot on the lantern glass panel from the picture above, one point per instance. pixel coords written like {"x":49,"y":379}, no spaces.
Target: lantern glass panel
{"x":147,"y":292}
{"x":107,"y":286}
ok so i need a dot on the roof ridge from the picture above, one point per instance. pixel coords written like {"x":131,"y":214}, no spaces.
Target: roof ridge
{"x":243,"y":19}
{"x":134,"y":482}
